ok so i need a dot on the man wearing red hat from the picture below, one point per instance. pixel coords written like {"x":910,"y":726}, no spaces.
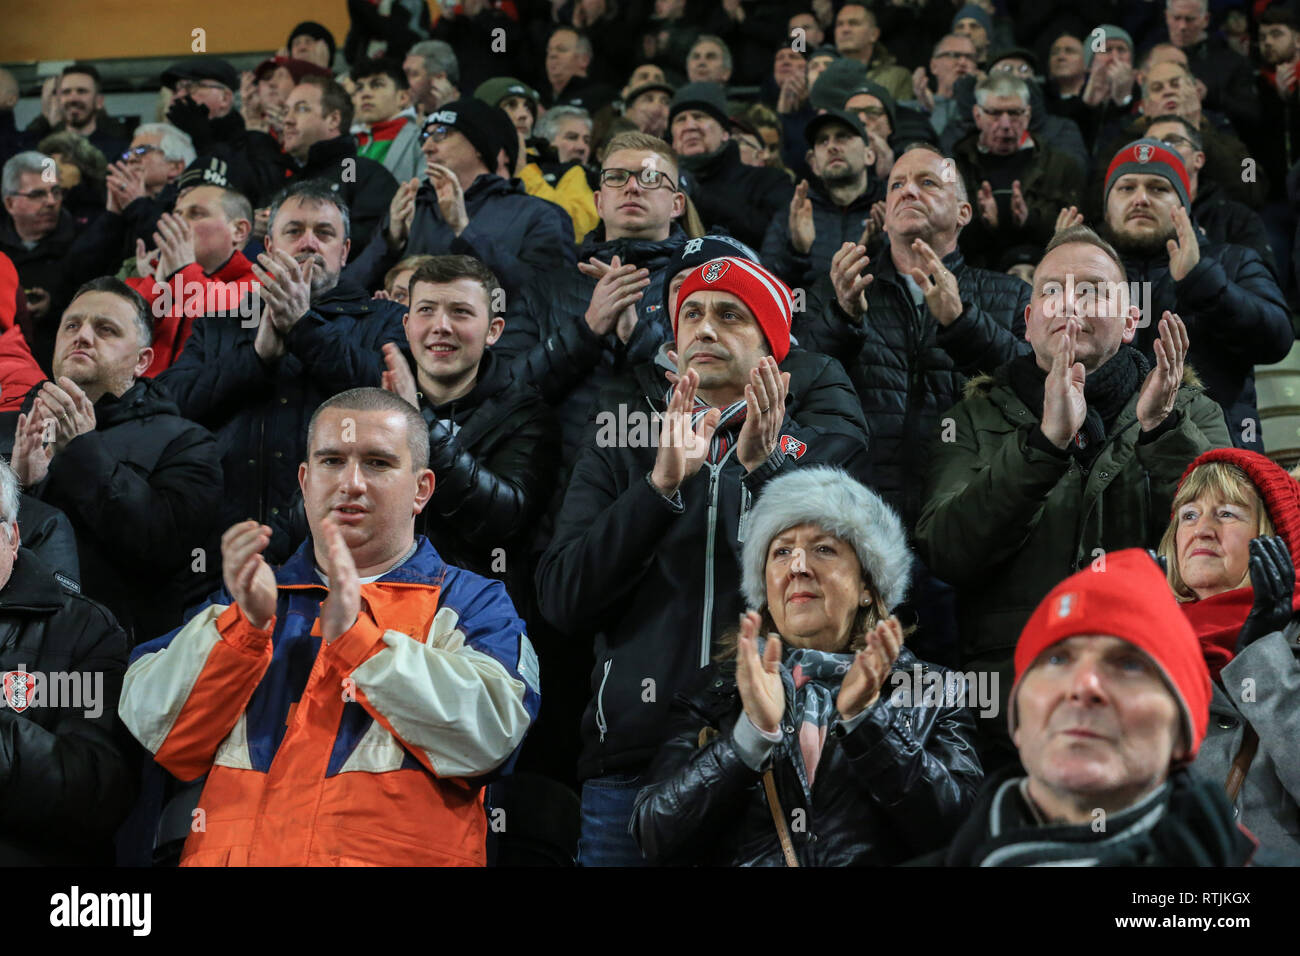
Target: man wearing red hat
{"x":646,"y":552}
{"x":1109,"y":706}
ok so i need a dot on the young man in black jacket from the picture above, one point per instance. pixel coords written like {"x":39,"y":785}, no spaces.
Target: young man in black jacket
{"x":647,"y":545}
{"x":140,"y":484}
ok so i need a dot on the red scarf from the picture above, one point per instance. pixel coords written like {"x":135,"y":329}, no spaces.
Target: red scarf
{"x":1217,"y":622}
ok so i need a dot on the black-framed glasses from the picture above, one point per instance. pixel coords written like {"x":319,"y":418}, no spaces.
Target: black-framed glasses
{"x":139,"y":152}
{"x":185,"y":86}
{"x":647,"y":176}
{"x":40,"y":195}
{"x":1174,"y":140}
{"x":437,"y":132}
{"x":955,"y":55}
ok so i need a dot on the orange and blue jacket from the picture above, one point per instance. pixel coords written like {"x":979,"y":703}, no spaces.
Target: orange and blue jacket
{"x":361,"y":751}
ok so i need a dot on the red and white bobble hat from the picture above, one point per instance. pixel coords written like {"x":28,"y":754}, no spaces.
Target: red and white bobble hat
{"x":764,"y":295}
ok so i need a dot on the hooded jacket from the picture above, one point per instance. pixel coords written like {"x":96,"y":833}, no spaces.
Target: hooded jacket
{"x":259,"y":411}
{"x":142,"y":492}
{"x":655,"y":579}
{"x":1236,"y":318}
{"x":68,"y":780}
{"x":549,"y":345}
{"x":439,"y":687}
{"x":742,"y":199}
{"x":907,"y":368}
{"x":895,"y":782}
{"x":834,"y":225}
{"x":1004,"y":520}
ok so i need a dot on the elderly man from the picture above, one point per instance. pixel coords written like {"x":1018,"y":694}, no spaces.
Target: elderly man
{"x":1228,"y":76}
{"x":709,"y":61}
{"x":742,"y":199}
{"x":1018,"y":184}
{"x":433,"y":74}
{"x":163,"y":153}
{"x":68,"y":780}
{"x":384,"y":702}
{"x":140,"y":484}
{"x":1110,"y":705}
{"x":1007,"y":509}
{"x":204,"y":107}
{"x":252,"y":382}
{"x":834,"y":209}
{"x":646,"y":551}
{"x":1235,"y":313}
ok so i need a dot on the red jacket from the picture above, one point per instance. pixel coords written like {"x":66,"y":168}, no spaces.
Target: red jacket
{"x":18,"y":369}
{"x":175,"y":315}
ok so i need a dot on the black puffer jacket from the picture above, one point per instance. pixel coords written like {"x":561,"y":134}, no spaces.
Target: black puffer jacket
{"x":898,"y":784}
{"x":142,"y":491}
{"x":742,"y":199}
{"x":655,"y":581}
{"x":907,"y":368}
{"x":548,"y":343}
{"x":1224,"y":219}
{"x":494,"y":467}
{"x":834,"y":224}
{"x":1236,"y":319}
{"x":68,"y":781}
{"x":259,"y":411}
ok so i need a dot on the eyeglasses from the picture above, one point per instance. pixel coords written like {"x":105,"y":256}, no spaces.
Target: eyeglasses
{"x":184,"y":86}
{"x":647,"y":176}
{"x":954,"y":55}
{"x":40,"y":195}
{"x":871,"y":112}
{"x":139,"y":152}
{"x":1015,"y":114}
{"x":437,"y":133}
{"x":1174,"y":140}
{"x":1023,"y":69}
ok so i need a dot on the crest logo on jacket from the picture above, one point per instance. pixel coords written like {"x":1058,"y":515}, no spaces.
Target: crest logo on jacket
{"x":18,"y":688}
{"x":1144,"y":153}
{"x":793,"y":446}
{"x":716,"y":270}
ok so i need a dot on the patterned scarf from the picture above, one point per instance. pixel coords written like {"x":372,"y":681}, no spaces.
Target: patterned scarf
{"x":729,"y":425}
{"x":812,"y":683}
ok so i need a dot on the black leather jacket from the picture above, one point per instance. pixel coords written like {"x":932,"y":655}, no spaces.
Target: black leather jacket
{"x":899,"y":783}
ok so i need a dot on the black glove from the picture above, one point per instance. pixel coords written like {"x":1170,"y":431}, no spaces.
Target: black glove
{"x":191,"y":118}
{"x":1161,"y":561}
{"x":1273,"y":576}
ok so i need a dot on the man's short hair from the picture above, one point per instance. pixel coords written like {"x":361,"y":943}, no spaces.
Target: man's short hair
{"x":1192,"y":132}
{"x":333,"y":98}
{"x":1144,"y":65}
{"x":174,"y":143}
{"x":370,"y":399}
{"x":1204,"y":5}
{"x":410,"y":262}
{"x":957,"y":180}
{"x":1082,"y":234}
{"x":381,"y":66}
{"x":30,"y":161}
{"x":85,"y":69}
{"x":935,"y":50}
{"x":1183,"y":68}
{"x":584,"y":41}
{"x":115,"y":286}
{"x":549,"y":125}
{"x":311,"y":192}
{"x":719,"y":42}
{"x":644,"y":142}
{"x":1278,"y":15}
{"x":9,"y":494}
{"x":438,"y":57}
{"x":442,"y":269}
{"x":871,"y":14}
{"x":1001,"y":84}
{"x":76,"y":150}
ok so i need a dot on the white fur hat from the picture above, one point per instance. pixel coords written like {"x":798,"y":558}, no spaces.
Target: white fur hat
{"x":831,"y":499}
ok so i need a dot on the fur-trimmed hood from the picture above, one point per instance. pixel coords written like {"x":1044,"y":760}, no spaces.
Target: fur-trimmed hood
{"x":829,"y":498}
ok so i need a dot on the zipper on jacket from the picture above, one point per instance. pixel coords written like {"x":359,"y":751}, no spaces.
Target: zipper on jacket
{"x":601,"y":724}
{"x":708,"y":562}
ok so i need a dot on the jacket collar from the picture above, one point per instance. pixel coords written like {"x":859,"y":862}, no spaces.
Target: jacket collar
{"x":31,"y":586}
{"x":425,"y":567}
{"x":327,"y":152}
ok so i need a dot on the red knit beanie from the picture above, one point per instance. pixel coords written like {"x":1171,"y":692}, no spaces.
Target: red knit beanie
{"x":1279,"y":491}
{"x":763,"y":293}
{"x":1130,"y":600}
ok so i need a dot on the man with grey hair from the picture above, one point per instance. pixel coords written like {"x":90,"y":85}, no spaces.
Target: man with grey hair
{"x":709,"y":61}
{"x":68,"y":779}
{"x":1017,"y":184}
{"x":52,"y":255}
{"x":108,"y":448}
{"x":433,"y":73}
{"x":568,"y":130}
{"x":1228,"y":76}
{"x":253,"y":383}
{"x":163,"y":152}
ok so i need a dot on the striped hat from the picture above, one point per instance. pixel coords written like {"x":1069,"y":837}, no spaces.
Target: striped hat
{"x":764,"y":294}
{"x":1150,"y":157}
